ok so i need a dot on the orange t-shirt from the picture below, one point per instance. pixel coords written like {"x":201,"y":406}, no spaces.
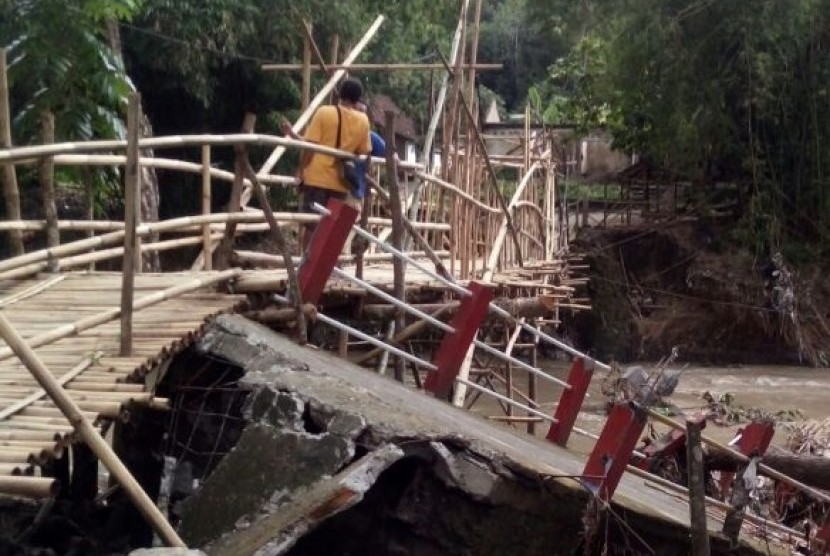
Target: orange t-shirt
{"x":322,"y":171}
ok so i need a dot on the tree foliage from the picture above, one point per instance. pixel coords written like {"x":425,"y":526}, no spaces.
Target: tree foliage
{"x":722,"y":91}
{"x":61,"y":62}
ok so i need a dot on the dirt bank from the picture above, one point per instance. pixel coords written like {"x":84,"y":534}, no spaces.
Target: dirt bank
{"x":681,"y":284}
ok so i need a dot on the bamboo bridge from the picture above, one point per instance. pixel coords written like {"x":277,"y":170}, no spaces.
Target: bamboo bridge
{"x":431,"y":243}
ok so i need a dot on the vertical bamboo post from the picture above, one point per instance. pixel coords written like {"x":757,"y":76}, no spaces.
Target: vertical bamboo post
{"x":532,"y":382}
{"x":206,"y":206}
{"x":335,"y":55}
{"x":276,"y":232}
{"x":11,"y":194}
{"x":88,"y":433}
{"x":306,"y":84}
{"x":130,"y":221}
{"x":397,"y":229}
{"x":47,"y":185}
{"x":697,"y":490}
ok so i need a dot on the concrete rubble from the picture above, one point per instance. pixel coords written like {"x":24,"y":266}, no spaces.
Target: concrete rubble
{"x":333,"y":456}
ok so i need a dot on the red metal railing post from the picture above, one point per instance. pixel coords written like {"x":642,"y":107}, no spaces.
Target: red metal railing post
{"x":753,"y":440}
{"x":450,"y":354}
{"x":666,"y":446}
{"x":612,"y":451}
{"x":324,"y":248}
{"x":571,"y":401}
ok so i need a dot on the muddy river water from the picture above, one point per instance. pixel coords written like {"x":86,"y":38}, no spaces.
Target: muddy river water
{"x":768,"y":388}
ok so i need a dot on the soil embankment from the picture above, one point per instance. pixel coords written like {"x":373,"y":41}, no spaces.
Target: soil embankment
{"x":680,"y":284}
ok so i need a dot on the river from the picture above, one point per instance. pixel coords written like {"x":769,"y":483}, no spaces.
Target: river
{"x":767,"y":388}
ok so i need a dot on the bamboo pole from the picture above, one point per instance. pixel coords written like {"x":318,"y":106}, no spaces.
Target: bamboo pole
{"x":305,"y":89}
{"x":282,"y":245}
{"x":11,"y":194}
{"x":206,"y":207}
{"x":76,"y":225}
{"x":32,"y":487}
{"x":162,"y":163}
{"x":278,"y":261}
{"x":89,"y":434}
{"x":816,"y":494}
{"x":47,"y":185}
{"x":379,"y":67}
{"x":474,"y":53}
{"x":183,"y":223}
{"x":413,"y":233}
{"x":235,"y":202}
{"x":697,"y":490}
{"x":303,"y":120}
{"x":438,"y":109}
{"x":491,"y":171}
{"x":62,"y":150}
{"x":335,"y":56}
{"x":396,"y":209}
{"x":489,"y":270}
{"x":35,"y":396}
{"x":131,"y":255}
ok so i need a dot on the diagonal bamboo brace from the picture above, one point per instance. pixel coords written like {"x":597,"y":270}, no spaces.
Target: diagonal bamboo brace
{"x":88,"y":433}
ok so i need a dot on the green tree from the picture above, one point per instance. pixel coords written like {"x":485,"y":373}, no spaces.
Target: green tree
{"x":719,"y":91}
{"x":61,"y":62}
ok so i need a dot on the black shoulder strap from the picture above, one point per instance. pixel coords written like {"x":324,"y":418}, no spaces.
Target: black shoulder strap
{"x":339,"y":126}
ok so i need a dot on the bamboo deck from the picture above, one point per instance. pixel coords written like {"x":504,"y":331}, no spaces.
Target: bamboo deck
{"x":85,"y":360}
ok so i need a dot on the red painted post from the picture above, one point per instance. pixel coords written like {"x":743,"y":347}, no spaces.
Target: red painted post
{"x":823,"y":535}
{"x":450,"y":354}
{"x":610,"y":455}
{"x":666,"y":446}
{"x":571,"y":401}
{"x":753,"y":441}
{"x":325,"y":246}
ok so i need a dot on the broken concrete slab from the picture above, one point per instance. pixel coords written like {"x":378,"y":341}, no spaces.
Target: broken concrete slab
{"x":267,"y":463}
{"x":279,"y":531}
{"x":465,"y":486}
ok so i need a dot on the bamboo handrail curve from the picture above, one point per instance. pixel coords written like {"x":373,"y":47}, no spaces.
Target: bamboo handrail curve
{"x":102,"y":255}
{"x":450,"y":187}
{"x":18,"y":154}
{"x":111,"y":314}
{"x":142,"y":230}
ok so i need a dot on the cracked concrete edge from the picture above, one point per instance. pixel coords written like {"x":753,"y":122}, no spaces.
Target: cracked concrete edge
{"x":272,"y":367}
{"x":276,"y":533}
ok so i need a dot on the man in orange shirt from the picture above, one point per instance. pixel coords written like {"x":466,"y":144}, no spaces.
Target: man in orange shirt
{"x":343,"y":126}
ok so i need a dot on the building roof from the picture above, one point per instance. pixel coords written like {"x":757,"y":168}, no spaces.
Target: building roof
{"x":380,"y":105}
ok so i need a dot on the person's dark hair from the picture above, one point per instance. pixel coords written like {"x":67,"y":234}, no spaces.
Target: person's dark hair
{"x":351,"y":90}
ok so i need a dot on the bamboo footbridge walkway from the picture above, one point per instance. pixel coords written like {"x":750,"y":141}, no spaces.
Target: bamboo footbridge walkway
{"x":71,"y":320}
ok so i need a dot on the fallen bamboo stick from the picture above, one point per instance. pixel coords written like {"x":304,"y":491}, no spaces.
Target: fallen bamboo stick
{"x":89,"y":434}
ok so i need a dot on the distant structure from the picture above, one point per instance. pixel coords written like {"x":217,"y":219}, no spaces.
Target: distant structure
{"x":592,"y":156}
{"x":405,"y":132}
